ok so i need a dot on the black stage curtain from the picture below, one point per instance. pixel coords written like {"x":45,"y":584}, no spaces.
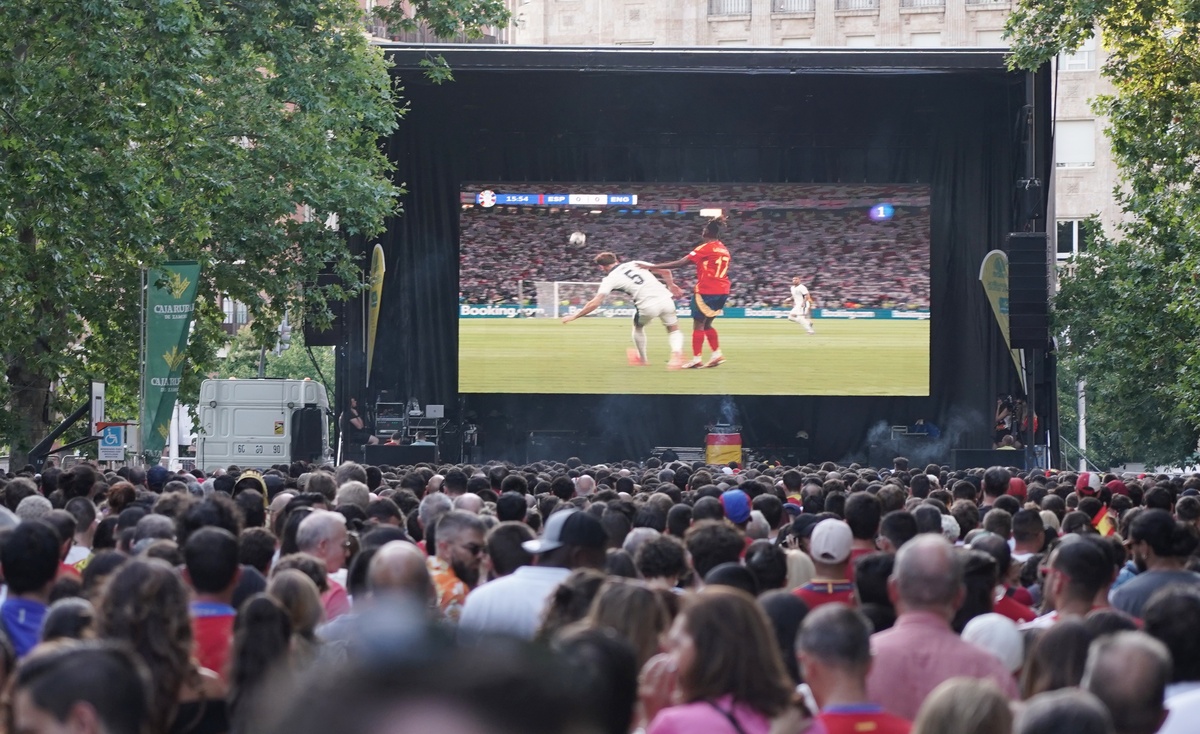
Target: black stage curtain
{"x":956,"y":131}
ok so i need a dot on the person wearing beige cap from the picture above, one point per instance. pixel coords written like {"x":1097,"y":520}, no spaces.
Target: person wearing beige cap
{"x":830,"y":551}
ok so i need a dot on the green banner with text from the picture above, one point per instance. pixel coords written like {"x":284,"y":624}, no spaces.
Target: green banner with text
{"x":170,"y":304}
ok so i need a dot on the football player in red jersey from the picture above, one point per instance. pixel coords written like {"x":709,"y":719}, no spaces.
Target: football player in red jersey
{"x":711,"y":259}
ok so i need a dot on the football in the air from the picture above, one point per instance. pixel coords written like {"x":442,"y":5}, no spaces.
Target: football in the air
{"x":577,"y":239}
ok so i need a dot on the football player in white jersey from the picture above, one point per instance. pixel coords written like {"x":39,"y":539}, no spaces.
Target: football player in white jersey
{"x":651,"y":300}
{"x":802,"y":303}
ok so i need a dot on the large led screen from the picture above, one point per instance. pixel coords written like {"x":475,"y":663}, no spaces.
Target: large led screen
{"x":768,"y":289}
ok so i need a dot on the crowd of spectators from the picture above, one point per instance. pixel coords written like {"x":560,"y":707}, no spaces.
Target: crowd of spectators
{"x":821,"y":234}
{"x":564,"y":597}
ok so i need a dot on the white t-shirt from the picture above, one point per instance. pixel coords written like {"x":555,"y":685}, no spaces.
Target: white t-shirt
{"x":511,"y":605}
{"x":635,"y":281}
{"x":800,"y":297}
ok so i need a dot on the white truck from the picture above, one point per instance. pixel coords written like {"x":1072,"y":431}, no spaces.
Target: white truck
{"x":259,"y":423}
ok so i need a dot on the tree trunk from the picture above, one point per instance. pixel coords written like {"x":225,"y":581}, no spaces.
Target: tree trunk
{"x":29,"y":406}
{"x":29,"y":392}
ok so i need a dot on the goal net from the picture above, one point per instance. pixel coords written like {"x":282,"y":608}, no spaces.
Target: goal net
{"x":556,"y":298}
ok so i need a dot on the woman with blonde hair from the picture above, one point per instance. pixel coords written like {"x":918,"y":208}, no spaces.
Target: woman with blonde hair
{"x":965,"y":705}
{"x":722,"y":672}
{"x":634,"y":611}
{"x":299,"y":597}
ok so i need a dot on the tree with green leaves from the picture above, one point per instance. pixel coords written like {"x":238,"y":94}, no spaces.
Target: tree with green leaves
{"x":1129,"y":310}
{"x":241,"y":135}
{"x":294,"y":363}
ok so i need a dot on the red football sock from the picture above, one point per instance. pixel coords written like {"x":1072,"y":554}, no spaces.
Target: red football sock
{"x":697,"y":342}
{"x":713,"y":344}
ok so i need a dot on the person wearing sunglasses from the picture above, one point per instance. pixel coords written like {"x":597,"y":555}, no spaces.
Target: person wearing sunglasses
{"x":455,"y":568}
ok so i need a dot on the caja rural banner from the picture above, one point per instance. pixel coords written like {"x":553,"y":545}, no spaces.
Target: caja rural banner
{"x":170,"y":305}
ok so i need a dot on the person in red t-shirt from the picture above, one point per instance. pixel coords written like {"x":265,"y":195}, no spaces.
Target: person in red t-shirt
{"x":711,"y":259}
{"x":830,"y":546}
{"x":1003,"y":601}
{"x":210,"y":558}
{"x":833,"y":648}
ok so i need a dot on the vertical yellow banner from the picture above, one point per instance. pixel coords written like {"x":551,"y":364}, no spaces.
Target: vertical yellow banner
{"x":378,"y":268}
{"x":993,"y":274}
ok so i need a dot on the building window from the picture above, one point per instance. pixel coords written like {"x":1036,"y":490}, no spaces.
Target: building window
{"x":925,"y":40}
{"x":1082,"y":60}
{"x":1075,"y":143}
{"x":793,"y":6}
{"x":1075,"y":236}
{"x":922,"y":3}
{"x":796,"y":42}
{"x":733,"y":42}
{"x":227,"y":307}
{"x":860,"y":41}
{"x":729,"y":7}
{"x":857,"y":5}
{"x":991,"y":39}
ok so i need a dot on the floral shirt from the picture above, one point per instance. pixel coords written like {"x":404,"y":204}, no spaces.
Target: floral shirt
{"x":451,"y":592}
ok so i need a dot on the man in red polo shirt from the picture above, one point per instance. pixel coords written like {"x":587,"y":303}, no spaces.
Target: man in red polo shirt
{"x":830,"y":552}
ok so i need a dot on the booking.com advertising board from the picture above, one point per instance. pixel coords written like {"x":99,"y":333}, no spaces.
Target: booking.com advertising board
{"x":467,"y":311}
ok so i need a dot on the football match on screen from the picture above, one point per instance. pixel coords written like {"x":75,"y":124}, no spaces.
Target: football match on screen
{"x":738,"y":289}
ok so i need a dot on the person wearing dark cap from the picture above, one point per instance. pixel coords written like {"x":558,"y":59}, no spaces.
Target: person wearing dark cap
{"x":802,"y":528}
{"x":156,"y":477}
{"x":831,"y":543}
{"x":512,"y":605}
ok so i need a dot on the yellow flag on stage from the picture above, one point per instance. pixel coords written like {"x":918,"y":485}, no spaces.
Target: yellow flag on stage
{"x":378,"y":268}
{"x":993,"y":274}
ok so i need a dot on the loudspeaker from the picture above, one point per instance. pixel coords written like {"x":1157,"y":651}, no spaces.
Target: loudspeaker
{"x":332,"y":336}
{"x":985,"y":458}
{"x":379,"y":454}
{"x":307,"y":442}
{"x":1029,"y":268}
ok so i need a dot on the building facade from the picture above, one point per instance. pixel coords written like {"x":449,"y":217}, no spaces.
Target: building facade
{"x":1085,"y":174}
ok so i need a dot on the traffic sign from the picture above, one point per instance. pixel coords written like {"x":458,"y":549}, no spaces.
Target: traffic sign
{"x":112,"y":444}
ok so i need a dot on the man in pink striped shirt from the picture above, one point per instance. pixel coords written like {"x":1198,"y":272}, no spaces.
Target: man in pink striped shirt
{"x":921,"y":650}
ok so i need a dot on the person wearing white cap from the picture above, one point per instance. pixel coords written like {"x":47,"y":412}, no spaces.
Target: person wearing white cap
{"x":998,"y":635}
{"x":830,"y":551}
{"x":512,"y":605}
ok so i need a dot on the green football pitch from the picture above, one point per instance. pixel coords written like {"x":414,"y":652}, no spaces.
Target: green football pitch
{"x":762,"y":357}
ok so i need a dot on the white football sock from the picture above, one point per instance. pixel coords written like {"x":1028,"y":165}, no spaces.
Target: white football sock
{"x":639,"y":341}
{"x":675,"y":339}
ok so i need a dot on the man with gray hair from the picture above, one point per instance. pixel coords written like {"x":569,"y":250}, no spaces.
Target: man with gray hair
{"x":455,"y":566}
{"x":1129,"y":672}
{"x":323,"y":534}
{"x":353,"y":493}
{"x":1065,"y":711}
{"x":151,"y":528}
{"x":833,"y":648}
{"x":469,"y":502}
{"x":431,"y":509}
{"x":921,"y":651}
{"x":350,"y":472}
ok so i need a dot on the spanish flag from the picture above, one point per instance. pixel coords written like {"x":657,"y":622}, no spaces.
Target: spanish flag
{"x":1103,"y":523}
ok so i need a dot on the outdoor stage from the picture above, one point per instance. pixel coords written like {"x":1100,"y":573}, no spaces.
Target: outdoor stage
{"x":952,"y":120}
